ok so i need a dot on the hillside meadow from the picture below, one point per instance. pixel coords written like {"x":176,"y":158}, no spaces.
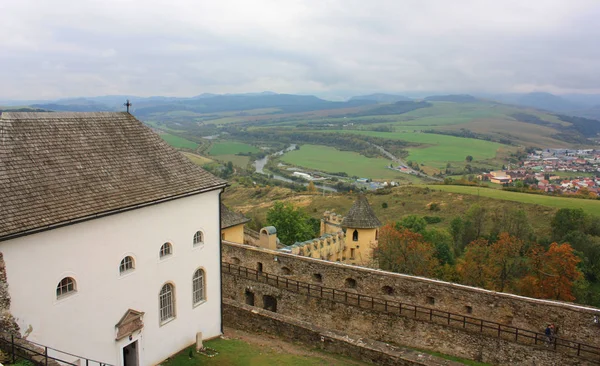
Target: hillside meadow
{"x":231,"y":148}
{"x":178,"y":142}
{"x":401,"y":201}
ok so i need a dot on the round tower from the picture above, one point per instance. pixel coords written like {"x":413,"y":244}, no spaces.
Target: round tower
{"x":362,"y":232}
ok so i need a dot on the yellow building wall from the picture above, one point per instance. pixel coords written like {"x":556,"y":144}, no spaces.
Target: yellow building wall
{"x":233,"y":234}
{"x":363,"y":248}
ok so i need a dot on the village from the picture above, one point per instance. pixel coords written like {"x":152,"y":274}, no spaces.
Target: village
{"x":559,"y":171}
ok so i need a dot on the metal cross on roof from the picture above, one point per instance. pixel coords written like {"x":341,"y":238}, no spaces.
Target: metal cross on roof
{"x":127,"y":105}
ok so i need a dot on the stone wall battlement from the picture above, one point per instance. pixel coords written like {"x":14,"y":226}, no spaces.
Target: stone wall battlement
{"x":573,"y":321}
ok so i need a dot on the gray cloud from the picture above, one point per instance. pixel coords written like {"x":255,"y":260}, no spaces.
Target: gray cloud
{"x":65,"y":48}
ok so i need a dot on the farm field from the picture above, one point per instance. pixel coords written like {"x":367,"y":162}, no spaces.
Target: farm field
{"x":589,"y":206}
{"x":237,"y":160}
{"x":197,"y":159}
{"x":178,"y":142}
{"x":231,"y":148}
{"x":329,"y":159}
{"x":439,"y":149}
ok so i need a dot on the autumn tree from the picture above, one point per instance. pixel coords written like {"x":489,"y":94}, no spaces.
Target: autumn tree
{"x":473,"y":267}
{"x":506,"y":263}
{"x":554,"y":274}
{"x":401,"y":250}
{"x":311,"y":187}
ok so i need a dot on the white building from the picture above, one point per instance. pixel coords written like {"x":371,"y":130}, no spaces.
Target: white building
{"x":110,"y":237}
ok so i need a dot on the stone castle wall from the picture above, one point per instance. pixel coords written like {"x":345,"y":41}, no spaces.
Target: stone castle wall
{"x":574,"y":322}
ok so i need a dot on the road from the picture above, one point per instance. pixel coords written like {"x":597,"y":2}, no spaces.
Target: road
{"x":401,"y":162}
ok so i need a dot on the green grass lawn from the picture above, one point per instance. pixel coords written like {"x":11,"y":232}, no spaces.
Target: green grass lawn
{"x":590,"y":206}
{"x":234,"y":352}
{"x":178,"y":142}
{"x":329,"y":159}
{"x":231,"y":148}
{"x":197,"y":159}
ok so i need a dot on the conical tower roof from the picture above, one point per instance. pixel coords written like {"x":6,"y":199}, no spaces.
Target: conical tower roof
{"x":361,"y":215}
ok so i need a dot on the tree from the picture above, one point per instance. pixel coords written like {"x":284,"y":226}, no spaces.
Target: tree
{"x":292,"y":224}
{"x":473,"y":267}
{"x":469,"y":158}
{"x":414,"y":223}
{"x":401,"y":250}
{"x":566,"y":220}
{"x":555,"y":273}
{"x":311,"y":187}
{"x":506,"y":262}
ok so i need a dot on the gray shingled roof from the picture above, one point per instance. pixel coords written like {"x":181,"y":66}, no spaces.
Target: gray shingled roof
{"x":56,"y":168}
{"x":361,"y":215}
{"x":230,"y":218}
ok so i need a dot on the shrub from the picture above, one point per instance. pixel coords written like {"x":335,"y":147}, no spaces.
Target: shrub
{"x":384,"y":205}
{"x":432,"y":219}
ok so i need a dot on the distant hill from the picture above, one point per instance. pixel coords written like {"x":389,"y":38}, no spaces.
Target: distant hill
{"x":456,"y":98}
{"x":382,"y":98}
{"x":390,"y":109}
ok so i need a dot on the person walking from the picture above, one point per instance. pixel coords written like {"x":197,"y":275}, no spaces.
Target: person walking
{"x":548,"y":333}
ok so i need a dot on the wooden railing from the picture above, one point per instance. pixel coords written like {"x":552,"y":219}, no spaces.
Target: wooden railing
{"x":392,"y":307}
{"x":18,"y":348}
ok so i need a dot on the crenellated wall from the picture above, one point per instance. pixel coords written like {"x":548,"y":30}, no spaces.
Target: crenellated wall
{"x":574,"y":322}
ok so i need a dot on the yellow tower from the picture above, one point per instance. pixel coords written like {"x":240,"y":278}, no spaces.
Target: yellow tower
{"x":362,"y":232}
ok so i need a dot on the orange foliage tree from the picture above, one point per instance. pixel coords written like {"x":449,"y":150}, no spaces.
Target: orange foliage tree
{"x":402,"y":251}
{"x":506,"y":262}
{"x":554,"y":272}
{"x":473,"y":268}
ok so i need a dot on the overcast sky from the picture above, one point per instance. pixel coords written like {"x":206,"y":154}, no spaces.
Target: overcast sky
{"x":332,"y":48}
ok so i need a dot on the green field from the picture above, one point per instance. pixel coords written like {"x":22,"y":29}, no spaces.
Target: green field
{"x":329,"y":159}
{"x":438,"y":149}
{"x":231,"y":148}
{"x":178,"y":142}
{"x":590,"y":206}
{"x":197,"y":159}
{"x":237,"y":160}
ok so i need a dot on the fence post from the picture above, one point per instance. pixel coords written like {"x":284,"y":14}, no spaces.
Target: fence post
{"x":517,"y":334}
{"x":536,"y":338}
{"x":430,"y":314}
{"x":578,"y":348}
{"x":46,"y":355}
{"x":400,"y":309}
{"x":498,"y":330}
{"x":448,"y":318}
{"x":481,"y":326}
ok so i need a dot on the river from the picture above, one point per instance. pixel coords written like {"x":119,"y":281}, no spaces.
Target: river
{"x":260,"y":166}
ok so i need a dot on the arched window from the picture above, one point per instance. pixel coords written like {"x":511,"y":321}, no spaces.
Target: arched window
{"x":166,"y":249}
{"x":355,"y":235}
{"x":66,"y":286}
{"x":350,"y":283}
{"x":198,"y":286}
{"x":376,"y":234}
{"x":198,"y":238}
{"x":166,"y":303}
{"x":127,"y":264}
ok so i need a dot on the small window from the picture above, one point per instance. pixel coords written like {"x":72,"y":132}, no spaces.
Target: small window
{"x":352,"y":253}
{"x":235,"y":260}
{"x":350,"y":283}
{"x":259,"y":267}
{"x":286,"y":271}
{"x":166,"y":249}
{"x":249,"y":297}
{"x":126,"y":265}
{"x":469,"y":309}
{"x":270,"y":303}
{"x":376,"y":234}
{"x":65,"y":287}
{"x":198,"y":238}
{"x":430,"y":300}
{"x":387,"y":290}
{"x":198,"y":287}
{"x":355,"y":235}
{"x":317,"y":277}
{"x":166,"y":303}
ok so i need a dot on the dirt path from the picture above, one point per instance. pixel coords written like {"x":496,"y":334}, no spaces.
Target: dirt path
{"x":280,"y":346}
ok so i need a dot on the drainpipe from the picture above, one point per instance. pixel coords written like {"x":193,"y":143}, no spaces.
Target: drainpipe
{"x":221,"y":261}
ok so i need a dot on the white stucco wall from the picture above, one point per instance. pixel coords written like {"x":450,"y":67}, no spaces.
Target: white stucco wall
{"x":84,"y":323}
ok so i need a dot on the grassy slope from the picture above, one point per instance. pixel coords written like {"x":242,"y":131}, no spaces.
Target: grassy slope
{"x":590,"y":206}
{"x":237,"y":160}
{"x":178,"y":142}
{"x":401,"y":201}
{"x":231,"y":148}
{"x":234,"y":352}
{"x":331,"y":160}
